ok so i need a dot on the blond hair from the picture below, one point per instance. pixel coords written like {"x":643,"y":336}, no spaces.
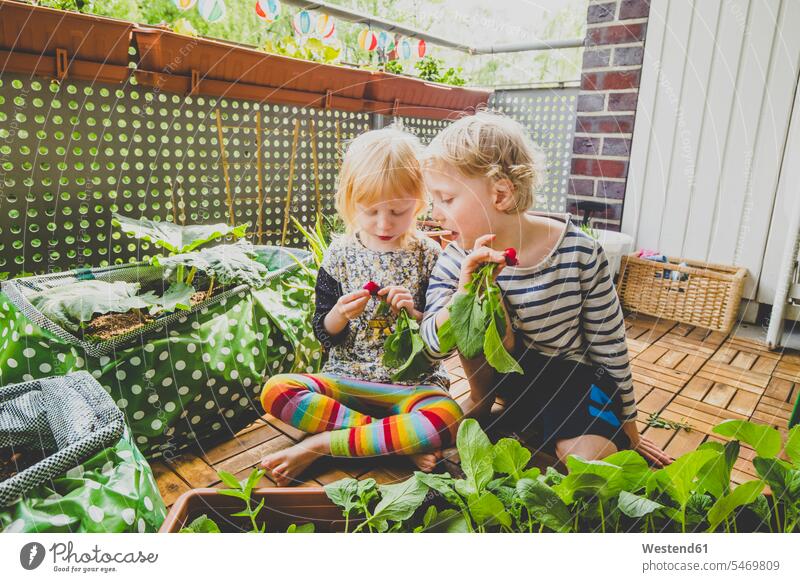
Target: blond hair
{"x":379,"y":165}
{"x":493,"y":146}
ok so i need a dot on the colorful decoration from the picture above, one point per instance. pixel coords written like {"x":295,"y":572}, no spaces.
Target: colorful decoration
{"x":184,"y":4}
{"x":268,"y":10}
{"x":367,"y":40}
{"x":404,"y":50}
{"x":386,"y":41}
{"x":421,"y":48}
{"x":303,"y":22}
{"x":211,"y":10}
{"x":325,"y":26}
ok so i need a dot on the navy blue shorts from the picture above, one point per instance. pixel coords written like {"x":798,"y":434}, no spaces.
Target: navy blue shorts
{"x":563,"y":399}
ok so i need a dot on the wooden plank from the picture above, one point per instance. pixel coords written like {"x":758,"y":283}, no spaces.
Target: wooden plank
{"x":744,"y":402}
{"x":294,"y":433}
{"x":706,"y":408}
{"x":719,"y":395}
{"x":679,"y":343}
{"x":170,"y":485}
{"x":244,"y":440}
{"x":253,"y":456}
{"x":684,"y":442}
{"x":697,"y":388}
{"x":779,"y":389}
{"x":746,"y":376}
{"x":764,"y":365}
{"x":708,"y":375}
{"x":194,"y":470}
{"x":725,"y":355}
{"x":691,"y":364}
{"x":660,"y":436}
{"x":744,"y":360}
{"x":652,"y":354}
{"x":654,"y":379}
{"x":671,"y":359}
{"x":669,"y":375}
{"x":655,"y":401}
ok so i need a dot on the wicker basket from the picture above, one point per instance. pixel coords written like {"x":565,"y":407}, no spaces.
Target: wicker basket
{"x":706,"y":295}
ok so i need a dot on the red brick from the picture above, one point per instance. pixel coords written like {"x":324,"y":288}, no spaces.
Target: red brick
{"x":610,"y":80}
{"x":614,"y":190}
{"x":622,"y":101}
{"x":581,"y":187}
{"x":591,"y":102}
{"x":599,"y":168}
{"x":616,"y":146}
{"x":601,"y":12}
{"x":628,"y":55}
{"x":634,"y":9}
{"x":586,"y":145}
{"x":616,"y":34}
{"x":594,"y":59}
{"x":604,"y":124}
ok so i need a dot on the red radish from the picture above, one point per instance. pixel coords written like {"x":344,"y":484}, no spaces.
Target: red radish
{"x":372,"y":287}
{"x":511,"y":257}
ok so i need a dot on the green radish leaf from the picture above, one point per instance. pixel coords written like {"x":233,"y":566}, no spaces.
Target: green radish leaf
{"x":468,"y":324}
{"x":398,"y":502}
{"x":715,"y":475}
{"x":776,"y":473}
{"x":476,"y":452}
{"x":636,"y":506}
{"x":678,"y":478}
{"x":202,"y":524}
{"x":304,"y":528}
{"x":447,"y":341}
{"x":343,"y":493}
{"x":764,"y":439}
{"x":792,"y":447}
{"x":624,"y":470}
{"x":510,"y":457}
{"x":496,"y":354}
{"x":487,"y":509}
{"x":443,"y":484}
{"x":544,"y":505}
{"x":744,"y":494}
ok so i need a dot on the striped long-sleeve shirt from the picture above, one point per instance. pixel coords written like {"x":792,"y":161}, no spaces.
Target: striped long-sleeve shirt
{"x":565,"y":306}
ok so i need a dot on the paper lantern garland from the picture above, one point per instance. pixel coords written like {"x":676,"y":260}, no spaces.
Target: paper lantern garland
{"x":367,"y":40}
{"x":268,"y":10}
{"x":303,"y":22}
{"x":325,"y":26}
{"x":184,"y":4}
{"x":211,"y":10}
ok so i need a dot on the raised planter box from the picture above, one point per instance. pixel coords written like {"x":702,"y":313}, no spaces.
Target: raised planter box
{"x":283,"y":506}
{"x":409,"y":92}
{"x":56,"y":43}
{"x":182,"y":63}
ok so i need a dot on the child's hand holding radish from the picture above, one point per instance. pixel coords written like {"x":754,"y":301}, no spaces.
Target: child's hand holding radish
{"x":398,"y":298}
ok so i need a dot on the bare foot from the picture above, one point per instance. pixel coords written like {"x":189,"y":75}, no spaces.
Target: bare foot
{"x":286,"y":465}
{"x":425,"y":462}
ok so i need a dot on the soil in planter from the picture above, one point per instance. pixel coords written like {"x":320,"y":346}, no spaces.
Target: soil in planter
{"x":107,"y":326}
{"x":14,"y":461}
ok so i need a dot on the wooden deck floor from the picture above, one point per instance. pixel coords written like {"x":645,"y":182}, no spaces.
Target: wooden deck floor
{"x":683,"y":373}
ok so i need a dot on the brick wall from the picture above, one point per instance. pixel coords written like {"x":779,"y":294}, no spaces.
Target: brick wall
{"x":612,"y":62}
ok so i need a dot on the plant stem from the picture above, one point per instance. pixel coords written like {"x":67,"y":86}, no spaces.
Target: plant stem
{"x":191,"y":275}
{"x":210,"y":288}
{"x":602,"y":517}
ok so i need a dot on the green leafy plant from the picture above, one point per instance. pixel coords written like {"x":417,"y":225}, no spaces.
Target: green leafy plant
{"x":226,"y":264}
{"x":477,"y":323}
{"x":312,"y":49}
{"x":587,"y":228}
{"x":173,"y":237}
{"x":394,"y":66}
{"x":657,"y":421}
{"x":500,"y":492}
{"x":201,"y":524}
{"x":75,"y":304}
{"x":404,"y":350}
{"x":430,"y":70}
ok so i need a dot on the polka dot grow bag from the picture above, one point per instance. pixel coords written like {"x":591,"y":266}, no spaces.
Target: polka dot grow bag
{"x":191,"y":377}
{"x":91,"y":477}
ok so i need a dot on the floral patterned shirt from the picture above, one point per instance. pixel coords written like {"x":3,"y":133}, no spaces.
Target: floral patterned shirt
{"x":357,"y":351}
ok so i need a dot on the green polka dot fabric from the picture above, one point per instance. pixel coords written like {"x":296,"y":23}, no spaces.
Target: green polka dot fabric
{"x":194,"y":379}
{"x":112,"y":492}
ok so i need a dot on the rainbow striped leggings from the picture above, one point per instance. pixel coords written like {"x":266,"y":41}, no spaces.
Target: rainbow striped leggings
{"x":365,"y":418}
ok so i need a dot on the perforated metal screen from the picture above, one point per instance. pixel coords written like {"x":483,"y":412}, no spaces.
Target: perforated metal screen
{"x":71,"y":154}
